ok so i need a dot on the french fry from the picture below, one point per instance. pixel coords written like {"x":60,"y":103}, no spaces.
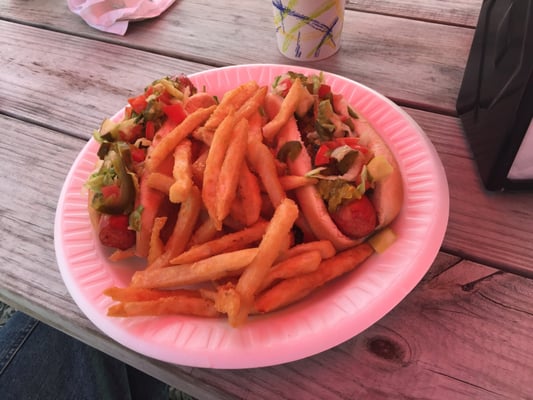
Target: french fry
{"x":234,"y":240}
{"x":126,"y":294}
{"x":228,"y":178}
{"x":287,"y":244}
{"x":159,"y":181}
{"x":269,"y":248}
{"x":168,"y":143}
{"x":293,"y":289}
{"x":176,"y":305}
{"x":157,"y":247}
{"x":160,"y":262}
{"x":208,"y":294}
{"x":198,"y":167}
{"x":164,"y":130}
{"x":119,"y":255}
{"x":305,"y":101}
{"x":205,"y":232}
{"x":151,"y":201}
{"x":287,"y":110}
{"x":246,"y":208}
{"x":255,"y":126}
{"x":208,"y":269}
{"x":249,"y":193}
{"x":262,"y":161}
{"x":232,"y":100}
{"x":227,"y":299}
{"x":185,"y":223}
{"x":182,"y":172}
{"x":213,"y":164}
{"x":325,"y":247}
{"x":296,"y":265}
{"x":204,"y":135}
{"x":198,"y":100}
{"x":252,"y":104}
{"x":291,"y":182}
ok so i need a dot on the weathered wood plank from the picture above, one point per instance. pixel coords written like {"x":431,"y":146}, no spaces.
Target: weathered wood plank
{"x":73,"y":76}
{"x":494,"y":228}
{"x":35,"y":162}
{"x":473,"y":353}
{"x":453,"y":12}
{"x":380,"y":51}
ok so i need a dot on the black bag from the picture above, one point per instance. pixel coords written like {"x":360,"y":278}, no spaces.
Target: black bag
{"x":495,"y":102}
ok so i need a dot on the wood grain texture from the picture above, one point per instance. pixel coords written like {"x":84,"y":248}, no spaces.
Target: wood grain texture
{"x":73,"y":75}
{"x":445,"y":340}
{"x":494,"y":228}
{"x":450,"y":12}
{"x":29,"y":276}
{"x":383,"y":52}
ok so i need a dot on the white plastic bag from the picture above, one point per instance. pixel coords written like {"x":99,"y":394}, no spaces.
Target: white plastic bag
{"x":113,"y":16}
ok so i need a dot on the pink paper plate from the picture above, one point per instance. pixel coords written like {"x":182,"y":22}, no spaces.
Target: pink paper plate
{"x":325,"y":319}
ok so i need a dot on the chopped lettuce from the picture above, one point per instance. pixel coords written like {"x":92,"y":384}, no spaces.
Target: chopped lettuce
{"x":324,"y":124}
{"x":336,"y":192}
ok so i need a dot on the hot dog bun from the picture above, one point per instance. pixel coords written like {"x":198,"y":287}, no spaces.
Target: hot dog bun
{"x":94,"y":216}
{"x":386,"y":197}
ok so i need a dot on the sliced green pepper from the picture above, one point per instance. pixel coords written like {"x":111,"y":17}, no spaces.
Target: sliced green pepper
{"x":113,"y":171}
{"x":289,"y":151}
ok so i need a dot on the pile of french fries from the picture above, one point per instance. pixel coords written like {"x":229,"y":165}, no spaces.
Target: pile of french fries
{"x":232,"y":250}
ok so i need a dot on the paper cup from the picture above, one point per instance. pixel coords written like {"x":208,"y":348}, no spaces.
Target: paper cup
{"x":308,"y":30}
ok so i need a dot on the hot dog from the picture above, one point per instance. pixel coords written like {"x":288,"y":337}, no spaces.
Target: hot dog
{"x":121,"y":206}
{"x":360,"y":188}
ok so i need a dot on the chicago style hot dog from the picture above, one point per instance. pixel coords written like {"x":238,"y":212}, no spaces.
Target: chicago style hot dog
{"x":359,"y":189}
{"x":122,"y":204}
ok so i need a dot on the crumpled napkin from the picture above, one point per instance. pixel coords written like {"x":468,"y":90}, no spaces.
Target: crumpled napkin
{"x":113,"y":16}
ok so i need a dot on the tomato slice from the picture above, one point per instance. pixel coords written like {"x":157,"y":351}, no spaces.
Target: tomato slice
{"x":164,"y":97}
{"x":127,"y":112}
{"x":149,"y":130}
{"x":322,"y":155}
{"x":175,"y":112}
{"x":324,"y":90}
{"x":137,"y":154}
{"x":110,"y":191}
{"x":138,"y":103}
{"x":131,"y":134}
{"x":148,"y":91}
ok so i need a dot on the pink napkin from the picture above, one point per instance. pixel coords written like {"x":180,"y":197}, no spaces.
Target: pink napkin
{"x":114,"y":15}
